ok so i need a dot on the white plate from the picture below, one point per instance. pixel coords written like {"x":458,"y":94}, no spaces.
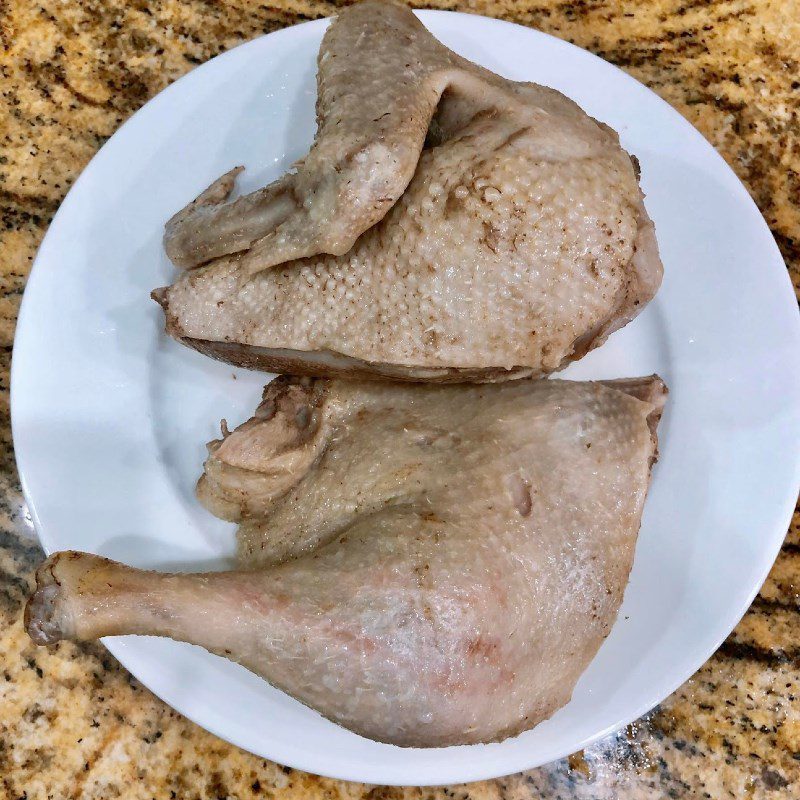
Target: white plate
{"x":110,"y":417}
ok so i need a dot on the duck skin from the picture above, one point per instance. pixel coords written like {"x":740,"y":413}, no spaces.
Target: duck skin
{"x":447,"y":225}
{"x":426,"y":565}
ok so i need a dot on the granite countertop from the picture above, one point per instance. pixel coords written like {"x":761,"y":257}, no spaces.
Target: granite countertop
{"x":73,"y":723}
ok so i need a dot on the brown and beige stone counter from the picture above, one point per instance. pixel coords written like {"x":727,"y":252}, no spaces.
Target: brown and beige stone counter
{"x":73,"y":723}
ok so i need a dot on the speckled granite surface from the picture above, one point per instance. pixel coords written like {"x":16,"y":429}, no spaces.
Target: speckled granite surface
{"x":73,"y":724}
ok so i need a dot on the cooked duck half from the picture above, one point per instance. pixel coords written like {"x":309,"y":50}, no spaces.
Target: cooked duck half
{"x":426,"y":566}
{"x":447,"y":225}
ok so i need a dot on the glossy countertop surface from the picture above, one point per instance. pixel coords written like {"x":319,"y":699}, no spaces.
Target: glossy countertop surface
{"x":73,"y":723}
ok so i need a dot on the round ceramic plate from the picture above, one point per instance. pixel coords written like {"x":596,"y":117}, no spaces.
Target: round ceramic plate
{"x":110,"y":416}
